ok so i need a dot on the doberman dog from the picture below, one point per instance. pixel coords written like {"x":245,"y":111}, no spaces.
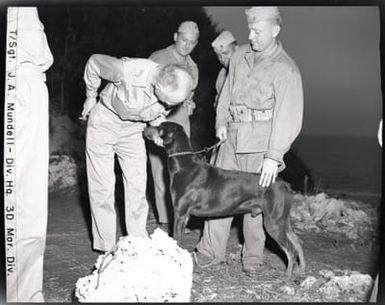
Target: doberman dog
{"x":203,"y":190}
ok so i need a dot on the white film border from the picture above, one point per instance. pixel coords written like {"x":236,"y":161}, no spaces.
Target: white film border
{"x":9,"y":149}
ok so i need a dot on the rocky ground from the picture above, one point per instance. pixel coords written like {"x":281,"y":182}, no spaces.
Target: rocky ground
{"x":340,"y":241}
{"x":338,"y":258}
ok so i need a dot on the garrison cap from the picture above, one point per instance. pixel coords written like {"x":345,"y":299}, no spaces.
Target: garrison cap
{"x":223,"y":40}
{"x":259,"y":13}
{"x":188,"y":27}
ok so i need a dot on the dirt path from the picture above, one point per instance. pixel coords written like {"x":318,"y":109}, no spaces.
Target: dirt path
{"x":69,"y":256}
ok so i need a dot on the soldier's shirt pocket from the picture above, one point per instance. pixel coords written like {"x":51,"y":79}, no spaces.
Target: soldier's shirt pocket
{"x":266,"y":96}
{"x":263,"y":97}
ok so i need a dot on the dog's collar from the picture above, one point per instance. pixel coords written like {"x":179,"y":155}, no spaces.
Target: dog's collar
{"x":182,"y":153}
{"x":204,"y":150}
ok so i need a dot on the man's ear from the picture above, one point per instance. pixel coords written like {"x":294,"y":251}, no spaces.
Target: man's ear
{"x":275,"y":30}
{"x":175,"y":36}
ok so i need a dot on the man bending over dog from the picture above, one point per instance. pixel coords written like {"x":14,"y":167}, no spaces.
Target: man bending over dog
{"x":138,"y":91}
{"x":259,"y":115}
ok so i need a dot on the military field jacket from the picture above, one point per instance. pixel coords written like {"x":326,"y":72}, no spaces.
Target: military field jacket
{"x":271,"y":84}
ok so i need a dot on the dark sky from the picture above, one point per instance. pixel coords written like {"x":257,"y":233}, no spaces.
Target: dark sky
{"x":337,"y":50}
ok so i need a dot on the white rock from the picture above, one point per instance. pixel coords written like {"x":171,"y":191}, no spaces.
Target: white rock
{"x":321,"y":213}
{"x":355,"y":284}
{"x":326,"y":273}
{"x":140,"y":270}
{"x":308,"y":282}
{"x":287,"y":290}
{"x":63,"y":172}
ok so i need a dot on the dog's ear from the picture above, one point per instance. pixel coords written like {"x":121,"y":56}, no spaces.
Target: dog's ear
{"x":162,"y":129}
{"x":167,"y":132}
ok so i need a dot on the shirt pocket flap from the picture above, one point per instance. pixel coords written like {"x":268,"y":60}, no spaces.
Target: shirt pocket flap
{"x":253,"y":137}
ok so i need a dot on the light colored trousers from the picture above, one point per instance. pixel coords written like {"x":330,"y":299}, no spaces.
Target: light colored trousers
{"x":31,"y":186}
{"x":158,"y":162}
{"x":216,"y":231}
{"x":106,"y":136}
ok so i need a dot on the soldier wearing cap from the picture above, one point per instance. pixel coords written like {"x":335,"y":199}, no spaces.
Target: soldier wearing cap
{"x":185,"y":40}
{"x":224,"y":46}
{"x":139,"y":91}
{"x":259,"y":115}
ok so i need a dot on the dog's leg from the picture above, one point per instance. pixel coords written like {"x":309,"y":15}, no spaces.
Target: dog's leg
{"x":181,"y":216}
{"x":277,"y":231}
{"x":177,"y":232}
{"x":179,"y":227}
{"x":290,"y":262}
{"x":295,"y":241}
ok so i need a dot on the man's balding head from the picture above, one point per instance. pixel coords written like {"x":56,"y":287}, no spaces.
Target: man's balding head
{"x":173,"y":84}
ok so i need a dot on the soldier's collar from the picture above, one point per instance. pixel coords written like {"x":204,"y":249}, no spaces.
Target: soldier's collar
{"x":249,"y":54}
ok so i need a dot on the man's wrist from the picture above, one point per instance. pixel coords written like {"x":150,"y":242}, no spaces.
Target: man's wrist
{"x":220,"y":124}
{"x":91,"y":95}
{"x":273,"y":155}
{"x":272,"y":159}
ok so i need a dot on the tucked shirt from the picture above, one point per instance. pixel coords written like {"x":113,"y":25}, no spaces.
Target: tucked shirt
{"x":33,"y":53}
{"x":272,"y":82}
{"x":129,"y":93}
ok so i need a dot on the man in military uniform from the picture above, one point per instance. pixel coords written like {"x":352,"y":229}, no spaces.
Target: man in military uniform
{"x":139,"y":91}
{"x":186,"y":39}
{"x":259,"y":115}
{"x":224,"y":46}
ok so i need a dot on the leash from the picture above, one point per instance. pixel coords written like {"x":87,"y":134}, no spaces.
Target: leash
{"x":204,"y":150}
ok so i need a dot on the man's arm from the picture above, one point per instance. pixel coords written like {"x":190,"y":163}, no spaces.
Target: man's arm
{"x":379,"y":133}
{"x":222,"y":109}
{"x":99,"y":67}
{"x":287,"y":122}
{"x":287,"y":115}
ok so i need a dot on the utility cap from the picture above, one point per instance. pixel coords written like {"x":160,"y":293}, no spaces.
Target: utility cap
{"x":223,"y":40}
{"x":259,"y":13}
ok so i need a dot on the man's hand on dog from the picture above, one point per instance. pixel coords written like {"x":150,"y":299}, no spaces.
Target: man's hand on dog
{"x":152,"y":134}
{"x":158,"y":140}
{"x":268,"y":169}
